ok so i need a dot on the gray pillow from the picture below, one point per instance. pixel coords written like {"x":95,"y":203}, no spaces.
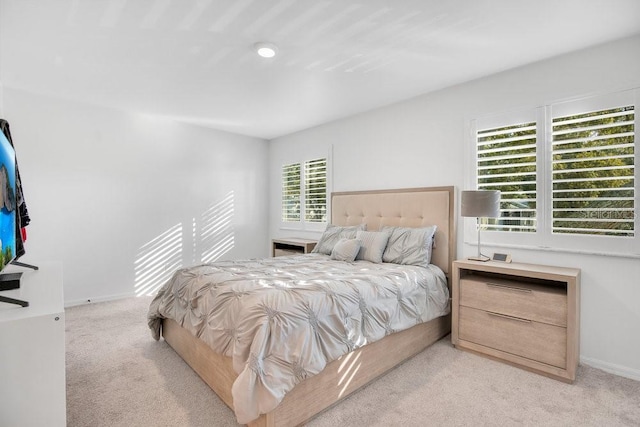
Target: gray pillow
{"x":333,"y":234}
{"x":409,"y":246}
{"x":345,"y":250}
{"x":372,"y":245}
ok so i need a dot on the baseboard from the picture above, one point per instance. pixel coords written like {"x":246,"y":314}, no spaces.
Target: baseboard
{"x":98,"y":299}
{"x":612,"y":368}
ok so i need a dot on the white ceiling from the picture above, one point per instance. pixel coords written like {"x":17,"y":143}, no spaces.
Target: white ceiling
{"x":192,"y":60}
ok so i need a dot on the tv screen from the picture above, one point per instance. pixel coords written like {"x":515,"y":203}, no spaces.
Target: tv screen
{"x":7,"y":202}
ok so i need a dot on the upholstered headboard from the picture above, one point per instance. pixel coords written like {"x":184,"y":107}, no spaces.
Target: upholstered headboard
{"x":411,"y":207}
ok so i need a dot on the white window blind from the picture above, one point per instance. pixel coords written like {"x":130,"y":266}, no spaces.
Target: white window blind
{"x":315,"y":190}
{"x":291,"y":192}
{"x":506,"y":161}
{"x":593,"y":172}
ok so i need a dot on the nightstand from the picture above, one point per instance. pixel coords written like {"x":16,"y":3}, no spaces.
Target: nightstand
{"x":526,"y":315}
{"x":291,"y":246}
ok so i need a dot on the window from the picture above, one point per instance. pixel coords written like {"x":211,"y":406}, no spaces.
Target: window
{"x":506,"y":161}
{"x":291,"y":193}
{"x":593,"y":172}
{"x":304,"y":191}
{"x":315,"y":194}
{"x":566,"y":173}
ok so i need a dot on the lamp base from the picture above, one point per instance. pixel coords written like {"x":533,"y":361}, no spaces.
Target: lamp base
{"x":482,"y":258}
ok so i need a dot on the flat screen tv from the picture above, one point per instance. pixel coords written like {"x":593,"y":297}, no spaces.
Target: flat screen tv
{"x":8,"y":204}
{"x":8,"y":218}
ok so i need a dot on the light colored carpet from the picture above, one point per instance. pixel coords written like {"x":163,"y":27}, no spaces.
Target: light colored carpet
{"x":117,"y":375}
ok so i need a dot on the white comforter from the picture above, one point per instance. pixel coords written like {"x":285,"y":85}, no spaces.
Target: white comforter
{"x":284,"y":319}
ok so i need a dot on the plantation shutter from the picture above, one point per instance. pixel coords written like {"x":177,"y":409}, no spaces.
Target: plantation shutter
{"x":291,"y":193}
{"x":593,"y":172}
{"x":506,"y":161}
{"x":315,"y":184}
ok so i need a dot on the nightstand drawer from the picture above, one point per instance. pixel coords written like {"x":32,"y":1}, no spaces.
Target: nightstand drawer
{"x":544,"y":304}
{"x":525,"y":338}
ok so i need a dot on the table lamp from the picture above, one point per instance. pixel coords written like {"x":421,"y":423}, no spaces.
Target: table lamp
{"x":480,"y":204}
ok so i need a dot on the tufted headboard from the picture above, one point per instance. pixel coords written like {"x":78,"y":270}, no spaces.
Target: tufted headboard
{"x":411,"y":207}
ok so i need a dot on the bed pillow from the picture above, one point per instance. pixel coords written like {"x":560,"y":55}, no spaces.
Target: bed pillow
{"x":332,"y":234}
{"x":372,"y":244}
{"x":346,"y":250}
{"x":409,"y":246}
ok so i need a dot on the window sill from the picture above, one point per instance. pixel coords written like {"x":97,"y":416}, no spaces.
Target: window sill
{"x":559,"y":250}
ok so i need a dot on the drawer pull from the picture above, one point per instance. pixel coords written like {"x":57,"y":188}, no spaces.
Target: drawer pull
{"x":504,"y":316}
{"x":511,"y":288}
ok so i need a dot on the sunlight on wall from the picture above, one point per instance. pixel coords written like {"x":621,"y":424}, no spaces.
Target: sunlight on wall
{"x":216,"y":234}
{"x":211,"y":236}
{"x":157,"y":260}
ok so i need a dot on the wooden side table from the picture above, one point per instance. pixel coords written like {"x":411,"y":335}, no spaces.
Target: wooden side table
{"x":526,"y":315}
{"x":291,"y":246}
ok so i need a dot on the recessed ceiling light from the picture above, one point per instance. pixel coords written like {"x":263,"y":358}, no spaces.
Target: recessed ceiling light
{"x":266,"y":50}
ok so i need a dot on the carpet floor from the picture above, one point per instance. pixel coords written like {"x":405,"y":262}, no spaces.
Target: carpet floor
{"x":117,"y":375}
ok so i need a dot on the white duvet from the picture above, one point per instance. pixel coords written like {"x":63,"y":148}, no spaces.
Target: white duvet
{"x":284,"y":319}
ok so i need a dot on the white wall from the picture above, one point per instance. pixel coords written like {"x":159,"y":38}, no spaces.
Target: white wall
{"x":421,"y":142}
{"x":122,"y":199}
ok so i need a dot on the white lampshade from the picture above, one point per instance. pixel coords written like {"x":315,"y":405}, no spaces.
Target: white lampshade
{"x":480,"y":204}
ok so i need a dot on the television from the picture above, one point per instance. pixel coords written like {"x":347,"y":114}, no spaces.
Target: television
{"x":8,"y":204}
{"x":8,"y":218}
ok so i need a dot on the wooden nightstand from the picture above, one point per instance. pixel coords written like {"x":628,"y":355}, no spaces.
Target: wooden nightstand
{"x":291,"y":246}
{"x":527,"y":315}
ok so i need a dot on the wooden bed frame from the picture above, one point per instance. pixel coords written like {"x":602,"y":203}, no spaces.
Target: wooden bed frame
{"x":407,"y":207}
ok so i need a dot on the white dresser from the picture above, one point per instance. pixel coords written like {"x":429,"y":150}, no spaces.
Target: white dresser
{"x":32,"y":351}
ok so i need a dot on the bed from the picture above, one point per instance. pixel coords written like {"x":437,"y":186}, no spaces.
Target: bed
{"x":346,"y":363}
